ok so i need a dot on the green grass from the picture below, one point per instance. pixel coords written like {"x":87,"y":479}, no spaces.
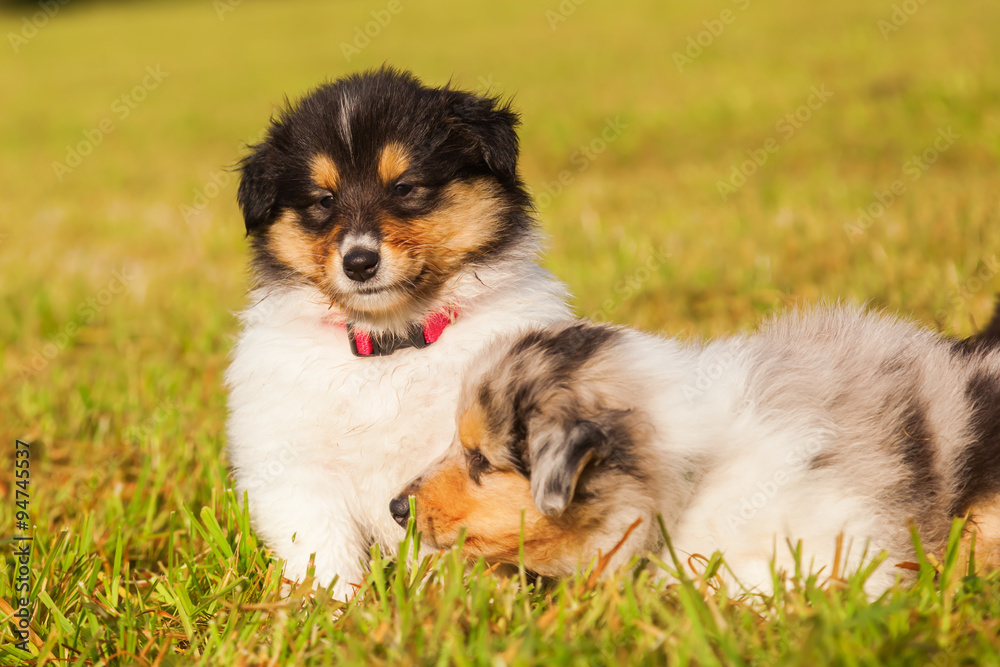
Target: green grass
{"x":141,"y":555}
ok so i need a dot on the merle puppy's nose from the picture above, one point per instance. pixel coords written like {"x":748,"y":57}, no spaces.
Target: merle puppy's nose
{"x":360,"y":264}
{"x":400,"y":509}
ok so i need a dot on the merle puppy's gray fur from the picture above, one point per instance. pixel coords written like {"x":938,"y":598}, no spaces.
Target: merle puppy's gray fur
{"x":828,"y":422}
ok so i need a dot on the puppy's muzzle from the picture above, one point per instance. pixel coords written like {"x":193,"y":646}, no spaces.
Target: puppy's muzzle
{"x":361,"y":264}
{"x":399,"y":507}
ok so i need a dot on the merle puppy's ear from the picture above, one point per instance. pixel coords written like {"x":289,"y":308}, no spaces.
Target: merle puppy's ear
{"x":559,"y":454}
{"x":488,"y":131}
{"x":258,"y":191}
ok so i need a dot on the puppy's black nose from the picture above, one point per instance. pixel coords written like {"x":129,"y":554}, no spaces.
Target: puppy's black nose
{"x":360,"y":264}
{"x":400,"y":509}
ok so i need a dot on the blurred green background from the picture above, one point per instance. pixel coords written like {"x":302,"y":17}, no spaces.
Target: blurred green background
{"x":641,"y":233}
{"x":687,"y":92}
{"x":122,"y":250}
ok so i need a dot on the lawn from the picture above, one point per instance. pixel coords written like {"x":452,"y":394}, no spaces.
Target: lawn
{"x":698,"y":167}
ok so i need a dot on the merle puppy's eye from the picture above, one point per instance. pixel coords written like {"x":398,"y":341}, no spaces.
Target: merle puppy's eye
{"x":478,"y":464}
{"x":326,"y":202}
{"x":402,"y":189}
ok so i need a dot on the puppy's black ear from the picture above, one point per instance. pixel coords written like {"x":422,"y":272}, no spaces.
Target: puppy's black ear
{"x":488,"y":127}
{"x":559,"y":453}
{"x":258,"y":191}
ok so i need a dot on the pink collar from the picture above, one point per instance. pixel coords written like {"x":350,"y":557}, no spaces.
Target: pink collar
{"x":364,"y":344}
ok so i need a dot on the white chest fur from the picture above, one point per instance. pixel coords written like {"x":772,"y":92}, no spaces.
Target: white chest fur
{"x":321,"y":440}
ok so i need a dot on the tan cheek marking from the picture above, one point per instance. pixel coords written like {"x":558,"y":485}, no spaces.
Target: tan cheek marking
{"x":495,"y":518}
{"x":492,"y":514}
{"x":392,"y":163}
{"x":472,"y":429}
{"x":290,"y":243}
{"x":495,"y":527}
{"x":466,"y":221}
{"x":324,"y":172}
{"x":443,"y":502}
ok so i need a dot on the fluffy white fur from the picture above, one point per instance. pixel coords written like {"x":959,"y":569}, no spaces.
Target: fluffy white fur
{"x":321,"y":440}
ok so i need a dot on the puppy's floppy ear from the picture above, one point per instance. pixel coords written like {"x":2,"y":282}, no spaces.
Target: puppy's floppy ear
{"x":488,"y":128}
{"x":559,"y":453}
{"x":258,"y":191}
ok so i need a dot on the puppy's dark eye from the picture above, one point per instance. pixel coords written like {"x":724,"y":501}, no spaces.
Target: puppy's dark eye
{"x":326,"y":202}
{"x":478,"y":464}
{"x":402,"y":189}
{"x":477,"y":460}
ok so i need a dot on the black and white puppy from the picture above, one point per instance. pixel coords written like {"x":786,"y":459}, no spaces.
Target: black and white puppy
{"x":827,"y":422}
{"x":392,"y":238}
